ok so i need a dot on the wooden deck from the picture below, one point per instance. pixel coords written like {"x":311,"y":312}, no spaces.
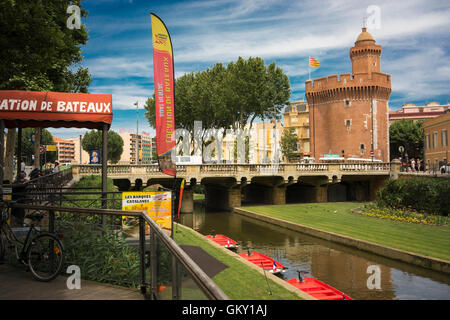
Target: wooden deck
{"x":17,"y":284}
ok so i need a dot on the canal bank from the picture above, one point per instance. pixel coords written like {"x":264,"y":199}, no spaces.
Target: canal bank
{"x":427,"y":262}
{"x":241,"y":280}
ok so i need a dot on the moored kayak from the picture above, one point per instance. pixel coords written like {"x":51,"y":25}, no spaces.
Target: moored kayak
{"x":318,"y":289}
{"x":223,"y":241}
{"x":263,"y":261}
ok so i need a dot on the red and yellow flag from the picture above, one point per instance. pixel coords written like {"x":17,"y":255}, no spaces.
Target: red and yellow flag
{"x":164,"y":96}
{"x":313,"y":62}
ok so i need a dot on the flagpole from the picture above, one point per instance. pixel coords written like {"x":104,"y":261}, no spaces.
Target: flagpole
{"x":309,"y":68}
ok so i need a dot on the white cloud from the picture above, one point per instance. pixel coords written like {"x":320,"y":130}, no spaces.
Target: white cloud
{"x":206,"y":32}
{"x":124,"y":96}
{"x":421,"y":74}
{"x":120,"y":67}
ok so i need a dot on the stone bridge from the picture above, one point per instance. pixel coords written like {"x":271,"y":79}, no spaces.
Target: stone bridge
{"x":231,"y":185}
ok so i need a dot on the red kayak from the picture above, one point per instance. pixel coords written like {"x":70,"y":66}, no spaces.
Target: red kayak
{"x":223,"y":241}
{"x":264,"y":262}
{"x":318,"y":289}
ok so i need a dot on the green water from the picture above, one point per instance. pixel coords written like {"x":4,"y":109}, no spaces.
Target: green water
{"x":342,"y":267}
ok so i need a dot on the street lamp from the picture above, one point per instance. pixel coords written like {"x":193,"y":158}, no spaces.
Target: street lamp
{"x":137,"y":132}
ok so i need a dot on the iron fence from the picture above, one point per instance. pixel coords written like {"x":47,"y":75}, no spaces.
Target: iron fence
{"x":151,"y":261}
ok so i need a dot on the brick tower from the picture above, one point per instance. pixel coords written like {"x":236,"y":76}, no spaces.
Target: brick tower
{"x":350,"y":115}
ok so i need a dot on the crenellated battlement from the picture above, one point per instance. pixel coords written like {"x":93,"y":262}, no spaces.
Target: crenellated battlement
{"x":348,"y":80}
{"x":349,"y":111}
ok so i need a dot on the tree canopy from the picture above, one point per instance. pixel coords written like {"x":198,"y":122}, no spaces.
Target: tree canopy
{"x":28,"y":147}
{"x":228,"y":96}
{"x":289,"y":142}
{"x":39,"y":52}
{"x":92,"y":140}
{"x":408,"y":134}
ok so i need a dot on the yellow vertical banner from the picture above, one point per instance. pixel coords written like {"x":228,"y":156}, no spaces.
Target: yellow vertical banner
{"x":157,"y":204}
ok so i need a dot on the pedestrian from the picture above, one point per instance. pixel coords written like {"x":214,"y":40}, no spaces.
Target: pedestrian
{"x":56,"y":168}
{"x":413,"y":165}
{"x":418,"y":164}
{"x":22,"y":166}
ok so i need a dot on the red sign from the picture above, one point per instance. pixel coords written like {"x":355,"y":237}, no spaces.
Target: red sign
{"x":42,"y":149}
{"x":60,"y":107}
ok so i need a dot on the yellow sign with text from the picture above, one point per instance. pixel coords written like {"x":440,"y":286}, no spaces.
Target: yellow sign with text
{"x":51,"y":147}
{"x":157,"y":204}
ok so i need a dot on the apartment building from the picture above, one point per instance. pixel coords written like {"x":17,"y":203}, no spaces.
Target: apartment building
{"x":436,"y":141}
{"x":65,"y":149}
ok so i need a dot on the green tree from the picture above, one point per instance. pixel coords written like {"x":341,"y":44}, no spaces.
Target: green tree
{"x":39,"y":52}
{"x":38,"y":48}
{"x":289,"y":142}
{"x":28,"y":148}
{"x":227,"y":97}
{"x":408,"y":134}
{"x":92,"y":140}
{"x":254,"y":90}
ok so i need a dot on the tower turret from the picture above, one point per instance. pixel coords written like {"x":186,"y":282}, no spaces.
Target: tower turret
{"x":349,"y":113}
{"x":365,"y":55}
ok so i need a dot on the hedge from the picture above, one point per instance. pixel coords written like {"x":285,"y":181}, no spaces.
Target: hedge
{"x":428,"y":195}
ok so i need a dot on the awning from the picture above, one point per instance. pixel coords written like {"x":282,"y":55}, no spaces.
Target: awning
{"x":332,"y":158}
{"x":23,"y":109}
{"x":363,"y":159}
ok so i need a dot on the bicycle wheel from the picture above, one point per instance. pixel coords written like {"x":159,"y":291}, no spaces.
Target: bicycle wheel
{"x":45,"y":257}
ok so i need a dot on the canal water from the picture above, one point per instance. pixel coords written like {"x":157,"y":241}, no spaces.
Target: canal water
{"x":350,"y":270}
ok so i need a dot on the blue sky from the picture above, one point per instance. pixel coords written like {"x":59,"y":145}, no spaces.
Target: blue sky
{"x":414,"y":34}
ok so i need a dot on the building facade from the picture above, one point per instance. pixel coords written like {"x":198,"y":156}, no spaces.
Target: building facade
{"x":264,"y":142}
{"x":296,"y":116}
{"x":81,"y":156}
{"x":143,"y":151}
{"x":349,"y":115}
{"x":145,"y":154}
{"x":436,"y":147}
{"x":65,"y":149}
{"x":418,"y":113}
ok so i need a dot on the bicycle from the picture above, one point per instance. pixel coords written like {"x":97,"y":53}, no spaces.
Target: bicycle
{"x":41,"y":251}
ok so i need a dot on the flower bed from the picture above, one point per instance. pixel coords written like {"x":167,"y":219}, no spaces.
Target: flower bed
{"x":402,"y":215}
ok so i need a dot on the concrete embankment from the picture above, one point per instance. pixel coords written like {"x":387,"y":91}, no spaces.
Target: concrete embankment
{"x":389,"y":252}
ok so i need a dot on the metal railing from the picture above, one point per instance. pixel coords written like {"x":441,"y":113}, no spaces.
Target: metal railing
{"x":159,"y":255}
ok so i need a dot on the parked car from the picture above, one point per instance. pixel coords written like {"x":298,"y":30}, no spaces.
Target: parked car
{"x":445,"y":168}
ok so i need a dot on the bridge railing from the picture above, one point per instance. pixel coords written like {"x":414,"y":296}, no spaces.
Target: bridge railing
{"x":365,"y":167}
{"x":312,"y":167}
{"x":235,"y":168}
{"x":151,"y":260}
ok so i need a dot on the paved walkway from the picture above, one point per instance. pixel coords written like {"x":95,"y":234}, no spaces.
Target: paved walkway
{"x":17,"y":284}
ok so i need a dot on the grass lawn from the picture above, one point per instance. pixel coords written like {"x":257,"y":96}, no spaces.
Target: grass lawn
{"x":433,"y":241}
{"x":239,"y":281}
